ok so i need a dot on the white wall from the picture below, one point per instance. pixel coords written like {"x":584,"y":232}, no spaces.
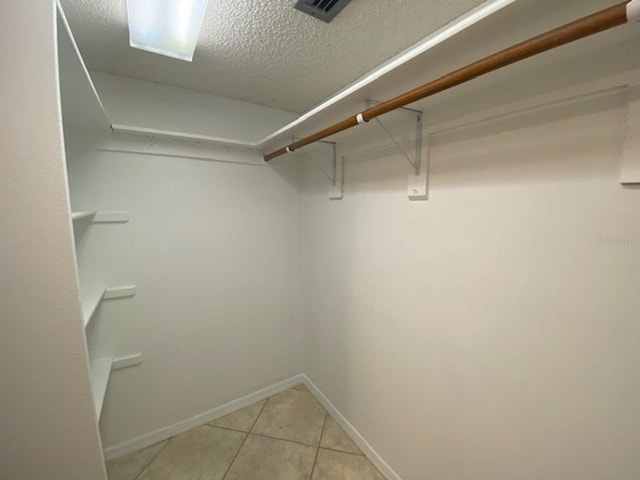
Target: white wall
{"x":488,"y":333}
{"x":47,"y":421}
{"x":213,"y":249}
{"x":145,"y":104}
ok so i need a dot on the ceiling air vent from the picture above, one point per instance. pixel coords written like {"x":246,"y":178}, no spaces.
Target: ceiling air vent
{"x":325,"y":10}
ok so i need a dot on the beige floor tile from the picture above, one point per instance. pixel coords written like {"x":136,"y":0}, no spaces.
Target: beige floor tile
{"x":242,"y":419}
{"x":264,"y":458}
{"x":294,"y":414}
{"x":335,"y":438}
{"x":130,"y":466}
{"x":343,"y":466}
{"x":202,"y":453}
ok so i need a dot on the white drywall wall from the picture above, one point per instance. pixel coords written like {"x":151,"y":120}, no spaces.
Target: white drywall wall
{"x":213,"y":250}
{"x":145,"y":104}
{"x":490,"y":332}
{"x":47,"y":420}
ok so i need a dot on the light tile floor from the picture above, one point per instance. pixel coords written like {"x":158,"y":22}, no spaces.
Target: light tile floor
{"x":289,"y":436}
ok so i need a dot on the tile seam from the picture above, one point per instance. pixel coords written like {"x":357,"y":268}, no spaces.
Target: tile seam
{"x":151,"y":461}
{"x":342,"y":451}
{"x":243,"y":441}
{"x":315,"y":459}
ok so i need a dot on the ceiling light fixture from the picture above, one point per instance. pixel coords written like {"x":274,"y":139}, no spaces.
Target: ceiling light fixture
{"x":169,"y":27}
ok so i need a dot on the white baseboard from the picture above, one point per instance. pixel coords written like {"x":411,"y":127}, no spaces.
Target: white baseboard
{"x":156,"y":436}
{"x":350,"y":430}
{"x":130,"y":446}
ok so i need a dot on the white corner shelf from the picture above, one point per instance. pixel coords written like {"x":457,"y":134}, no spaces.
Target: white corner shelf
{"x":111,"y":217}
{"x":101,"y":217}
{"x":120,"y":292}
{"x":90,"y":306}
{"x":81,"y":104}
{"x":189,"y":137}
{"x":126,"y":361}
{"x":100,"y":373}
{"x":80,"y":215}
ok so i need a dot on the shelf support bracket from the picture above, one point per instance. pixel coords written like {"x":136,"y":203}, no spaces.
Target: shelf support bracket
{"x":336,"y":177}
{"x":630,"y":162}
{"x":336,"y":188}
{"x":418,"y":179}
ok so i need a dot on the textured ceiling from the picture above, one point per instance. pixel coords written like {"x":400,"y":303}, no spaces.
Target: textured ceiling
{"x":264,"y":51}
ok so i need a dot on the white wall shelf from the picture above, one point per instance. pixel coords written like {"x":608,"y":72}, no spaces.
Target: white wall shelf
{"x":89,"y":307}
{"x":111,"y":217}
{"x":189,"y":137}
{"x":100,"y":372}
{"x":81,"y":104}
{"x":120,"y":292}
{"x":83,"y":114}
{"x":101,"y":217}
{"x":126,"y":361}
{"x":80,"y":215}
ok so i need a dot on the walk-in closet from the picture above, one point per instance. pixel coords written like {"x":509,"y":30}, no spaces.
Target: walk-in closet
{"x":320,"y":240}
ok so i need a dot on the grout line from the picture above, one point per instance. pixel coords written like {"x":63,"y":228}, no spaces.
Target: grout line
{"x":324,"y":424}
{"x":361,"y":454}
{"x":243,"y":441}
{"x":284,"y":440}
{"x":267,"y":436}
{"x":288,"y":440}
{"x":315,"y":459}
{"x":342,"y":451}
{"x":226,"y":428}
{"x":258,"y":417}
{"x":154,"y":457}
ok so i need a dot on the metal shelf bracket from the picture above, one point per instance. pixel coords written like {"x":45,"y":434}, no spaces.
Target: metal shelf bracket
{"x":630,"y":161}
{"x":336,"y":177}
{"x":418,"y":179}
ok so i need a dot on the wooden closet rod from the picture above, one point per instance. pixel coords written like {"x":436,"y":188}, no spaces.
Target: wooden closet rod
{"x":615,"y":16}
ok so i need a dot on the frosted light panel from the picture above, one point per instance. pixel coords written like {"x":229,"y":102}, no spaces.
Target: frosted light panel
{"x":167,"y":27}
